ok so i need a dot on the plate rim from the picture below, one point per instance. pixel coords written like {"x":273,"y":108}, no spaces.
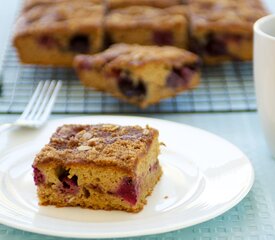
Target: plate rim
{"x":157,"y":230}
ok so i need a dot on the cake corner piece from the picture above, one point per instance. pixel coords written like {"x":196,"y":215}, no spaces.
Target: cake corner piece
{"x":225,"y":31}
{"x":106,"y":166}
{"x":52,"y":33}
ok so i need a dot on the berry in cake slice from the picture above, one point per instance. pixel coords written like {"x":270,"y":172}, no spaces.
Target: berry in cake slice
{"x":141,"y":75}
{"x":104,"y":166}
{"x":147,"y":25}
{"x":223,"y":30}
{"x":53,"y":32}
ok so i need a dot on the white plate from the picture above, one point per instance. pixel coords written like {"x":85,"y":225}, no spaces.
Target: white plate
{"x":204,"y":176}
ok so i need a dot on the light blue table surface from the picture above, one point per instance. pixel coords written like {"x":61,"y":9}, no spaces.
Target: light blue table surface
{"x":252,"y":219}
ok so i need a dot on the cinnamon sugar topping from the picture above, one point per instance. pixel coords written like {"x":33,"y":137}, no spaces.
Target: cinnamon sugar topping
{"x":106,"y":144}
{"x":124,"y":55}
{"x":84,"y":148}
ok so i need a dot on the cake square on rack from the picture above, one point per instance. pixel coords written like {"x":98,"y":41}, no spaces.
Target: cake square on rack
{"x":147,"y":25}
{"x":223,"y":30}
{"x":141,"y":75}
{"x":53,"y":33}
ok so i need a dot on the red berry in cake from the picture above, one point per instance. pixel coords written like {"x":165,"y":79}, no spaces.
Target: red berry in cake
{"x":69,"y":185}
{"x":47,"y":42}
{"x":163,"y":38}
{"x":128,"y":190}
{"x":216,"y":45}
{"x":129,"y":88}
{"x":38,"y":176}
{"x":79,"y":43}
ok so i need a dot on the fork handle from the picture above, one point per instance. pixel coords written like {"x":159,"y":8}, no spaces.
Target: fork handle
{"x":4,"y":127}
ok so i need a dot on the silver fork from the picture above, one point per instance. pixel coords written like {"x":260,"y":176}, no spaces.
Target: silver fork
{"x":39,"y":107}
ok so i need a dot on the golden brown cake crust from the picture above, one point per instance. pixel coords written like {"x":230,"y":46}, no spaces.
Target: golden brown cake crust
{"x":154,"y":3}
{"x":124,"y":55}
{"x":102,"y":145}
{"x":28,"y":4}
{"x":147,"y":17}
{"x":225,"y":16}
{"x":78,"y":16}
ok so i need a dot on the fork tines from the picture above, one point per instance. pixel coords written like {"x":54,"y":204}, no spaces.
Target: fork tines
{"x":40,"y":104}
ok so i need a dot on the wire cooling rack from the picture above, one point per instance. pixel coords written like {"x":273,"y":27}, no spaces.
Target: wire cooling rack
{"x":224,"y":88}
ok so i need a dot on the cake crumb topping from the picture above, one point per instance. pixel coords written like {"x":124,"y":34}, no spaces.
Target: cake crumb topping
{"x":121,"y":55}
{"x":103,"y":144}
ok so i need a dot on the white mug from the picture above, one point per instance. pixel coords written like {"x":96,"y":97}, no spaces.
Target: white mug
{"x":264,"y":75}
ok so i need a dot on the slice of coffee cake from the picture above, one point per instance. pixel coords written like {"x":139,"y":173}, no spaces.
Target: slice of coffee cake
{"x":141,"y":75}
{"x":106,"y":167}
